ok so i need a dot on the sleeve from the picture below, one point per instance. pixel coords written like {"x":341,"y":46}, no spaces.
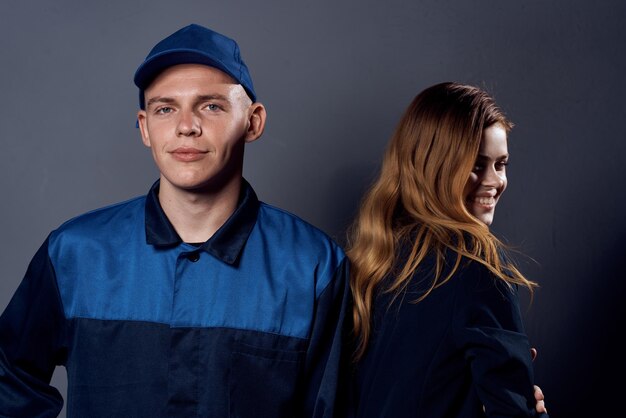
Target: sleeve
{"x":31,"y":339}
{"x":490,"y":330}
{"x":327,"y":354}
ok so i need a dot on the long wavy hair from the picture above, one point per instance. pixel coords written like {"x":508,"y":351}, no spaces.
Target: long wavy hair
{"x":419,"y":198}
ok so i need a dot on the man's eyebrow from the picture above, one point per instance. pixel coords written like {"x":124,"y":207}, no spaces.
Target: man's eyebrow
{"x":201,"y":98}
{"x":216,"y":96}
{"x":224,"y":101}
{"x":159,"y":99}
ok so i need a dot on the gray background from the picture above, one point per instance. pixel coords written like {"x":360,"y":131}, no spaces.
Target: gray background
{"x":335,"y":77}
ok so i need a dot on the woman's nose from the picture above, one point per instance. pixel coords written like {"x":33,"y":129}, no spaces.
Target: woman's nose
{"x":493,"y":178}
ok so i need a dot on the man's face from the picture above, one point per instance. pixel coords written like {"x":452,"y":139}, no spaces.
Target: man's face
{"x":196,"y":122}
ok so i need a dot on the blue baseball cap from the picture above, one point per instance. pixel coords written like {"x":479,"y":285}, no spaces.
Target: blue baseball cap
{"x":194,"y":44}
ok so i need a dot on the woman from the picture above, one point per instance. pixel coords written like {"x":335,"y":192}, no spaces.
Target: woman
{"x":437,"y":320}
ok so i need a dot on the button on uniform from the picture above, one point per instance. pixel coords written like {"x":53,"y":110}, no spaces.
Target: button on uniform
{"x":194,"y":256}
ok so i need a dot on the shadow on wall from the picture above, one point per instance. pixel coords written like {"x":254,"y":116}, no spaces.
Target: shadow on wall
{"x":346,"y":189}
{"x":592,"y":357}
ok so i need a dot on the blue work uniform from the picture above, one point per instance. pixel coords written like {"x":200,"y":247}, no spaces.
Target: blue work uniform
{"x":247,"y":324}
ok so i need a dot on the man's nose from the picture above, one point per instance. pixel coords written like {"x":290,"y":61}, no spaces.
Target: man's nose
{"x":188,"y":124}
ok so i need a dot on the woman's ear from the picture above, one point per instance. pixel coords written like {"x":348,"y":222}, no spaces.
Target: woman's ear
{"x":256,"y":122}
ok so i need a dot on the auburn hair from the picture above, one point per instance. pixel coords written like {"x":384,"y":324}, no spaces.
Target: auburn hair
{"x":418,"y":198}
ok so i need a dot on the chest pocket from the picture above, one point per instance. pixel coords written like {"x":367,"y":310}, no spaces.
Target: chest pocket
{"x":264,"y":382}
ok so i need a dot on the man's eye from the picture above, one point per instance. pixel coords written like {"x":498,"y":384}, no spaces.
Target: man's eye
{"x":163,"y":110}
{"x":213,"y":107}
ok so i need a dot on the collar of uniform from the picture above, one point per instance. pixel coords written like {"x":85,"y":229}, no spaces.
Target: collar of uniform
{"x":227,"y":242}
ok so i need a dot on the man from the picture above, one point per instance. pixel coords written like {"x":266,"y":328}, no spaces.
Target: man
{"x":194,"y":300}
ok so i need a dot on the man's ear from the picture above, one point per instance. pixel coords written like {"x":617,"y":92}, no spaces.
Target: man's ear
{"x":256,"y":122}
{"x":143,"y":128}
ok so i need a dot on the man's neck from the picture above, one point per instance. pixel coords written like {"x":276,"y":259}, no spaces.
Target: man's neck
{"x":197,"y":215}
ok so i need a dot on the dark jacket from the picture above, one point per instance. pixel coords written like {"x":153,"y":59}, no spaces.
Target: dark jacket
{"x":461,"y":348}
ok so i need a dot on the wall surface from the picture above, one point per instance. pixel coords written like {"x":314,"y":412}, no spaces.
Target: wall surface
{"x":335,"y":77}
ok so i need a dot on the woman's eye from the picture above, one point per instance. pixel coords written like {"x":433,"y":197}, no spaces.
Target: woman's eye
{"x":501,"y":165}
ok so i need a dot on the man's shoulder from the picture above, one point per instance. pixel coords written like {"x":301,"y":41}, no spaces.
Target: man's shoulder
{"x":291,"y":235}
{"x":287,"y":220}
{"x":104,"y":219}
{"x":288,"y":237}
